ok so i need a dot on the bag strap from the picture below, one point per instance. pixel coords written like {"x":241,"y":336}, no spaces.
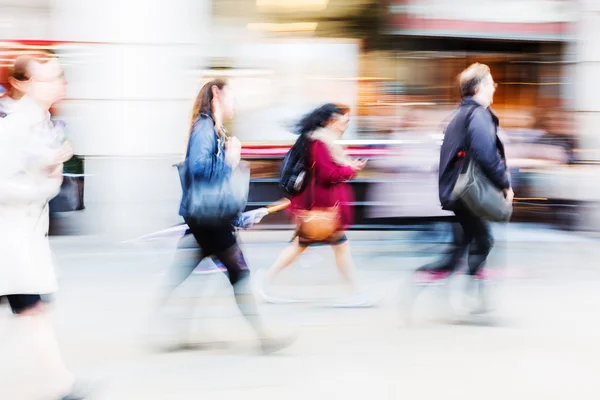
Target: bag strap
{"x":468,"y":122}
{"x":462,"y":153}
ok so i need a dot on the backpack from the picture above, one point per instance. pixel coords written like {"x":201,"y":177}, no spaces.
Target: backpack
{"x":294,"y":168}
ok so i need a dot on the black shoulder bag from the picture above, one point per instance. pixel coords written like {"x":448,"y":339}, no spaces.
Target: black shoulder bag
{"x":477,"y":192}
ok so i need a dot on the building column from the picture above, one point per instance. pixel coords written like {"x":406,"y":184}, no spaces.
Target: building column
{"x":20,"y":20}
{"x":130,"y":95}
{"x":587,"y":110}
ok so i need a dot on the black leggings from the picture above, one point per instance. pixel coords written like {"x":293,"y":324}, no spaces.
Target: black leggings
{"x":221,"y":243}
{"x":201,"y":242}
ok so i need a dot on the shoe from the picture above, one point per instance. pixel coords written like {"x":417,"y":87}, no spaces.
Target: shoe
{"x":73,"y":397}
{"x":476,"y":300}
{"x":482,"y":275}
{"x":273,"y":345}
{"x":358,"y":300}
{"x":80,"y":391}
{"x":430,"y":278}
{"x":263,"y":291}
{"x":490,"y":274}
{"x":169,"y":331}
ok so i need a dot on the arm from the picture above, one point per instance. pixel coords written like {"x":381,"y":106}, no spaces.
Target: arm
{"x":25,"y":166}
{"x":42,"y":156}
{"x":15,"y":191}
{"x":202,"y":160}
{"x":482,"y":146}
{"x":326,"y":169}
{"x":27,"y":143}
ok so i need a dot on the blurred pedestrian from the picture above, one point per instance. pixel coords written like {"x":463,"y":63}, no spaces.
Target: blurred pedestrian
{"x":31,"y":164}
{"x":212,"y":156}
{"x":8,"y":98}
{"x":472,"y":135}
{"x":328,"y":189}
{"x":3,"y":97}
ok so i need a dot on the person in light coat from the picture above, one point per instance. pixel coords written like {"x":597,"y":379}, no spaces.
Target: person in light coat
{"x":32,"y":153}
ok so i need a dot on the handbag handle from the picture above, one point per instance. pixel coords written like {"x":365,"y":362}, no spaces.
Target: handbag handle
{"x":278,"y":205}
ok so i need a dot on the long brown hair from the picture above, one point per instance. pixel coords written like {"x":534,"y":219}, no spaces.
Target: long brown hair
{"x":203,"y":103}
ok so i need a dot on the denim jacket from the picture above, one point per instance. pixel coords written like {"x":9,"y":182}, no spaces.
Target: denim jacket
{"x":205,"y":158}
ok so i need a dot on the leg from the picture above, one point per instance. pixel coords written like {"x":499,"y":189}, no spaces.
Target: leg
{"x":239,"y":277}
{"x":187,"y":258}
{"x":437,"y":272}
{"x":481,"y":246}
{"x":344,"y":262}
{"x":462,"y":236}
{"x":478,"y":252}
{"x":36,"y":337}
{"x":285,"y":259}
{"x":358,"y":297}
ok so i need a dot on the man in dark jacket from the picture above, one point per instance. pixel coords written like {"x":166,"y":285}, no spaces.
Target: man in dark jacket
{"x":472,"y":135}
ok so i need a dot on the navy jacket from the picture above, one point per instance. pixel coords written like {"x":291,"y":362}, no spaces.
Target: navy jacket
{"x":476,"y":139}
{"x":205,"y":158}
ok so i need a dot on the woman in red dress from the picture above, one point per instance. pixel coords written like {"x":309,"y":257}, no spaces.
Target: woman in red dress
{"x":331,"y":171}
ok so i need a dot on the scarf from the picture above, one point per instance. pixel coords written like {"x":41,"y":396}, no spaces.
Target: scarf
{"x":330,"y":139}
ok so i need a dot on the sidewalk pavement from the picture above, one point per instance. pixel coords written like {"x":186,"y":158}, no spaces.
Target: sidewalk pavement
{"x":540,"y":343}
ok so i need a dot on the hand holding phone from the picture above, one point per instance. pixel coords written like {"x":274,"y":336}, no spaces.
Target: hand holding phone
{"x":359,"y":164}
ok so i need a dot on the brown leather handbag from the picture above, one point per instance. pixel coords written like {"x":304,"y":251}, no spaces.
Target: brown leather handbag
{"x":317,"y":223}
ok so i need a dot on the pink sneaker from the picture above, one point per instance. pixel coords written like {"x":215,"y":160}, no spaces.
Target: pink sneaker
{"x":488,"y":274}
{"x":431,"y":277}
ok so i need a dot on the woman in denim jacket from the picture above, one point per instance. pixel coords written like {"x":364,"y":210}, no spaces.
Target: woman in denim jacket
{"x":212,"y":156}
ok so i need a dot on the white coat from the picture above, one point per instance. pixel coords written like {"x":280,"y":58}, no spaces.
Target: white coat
{"x":26,"y":154}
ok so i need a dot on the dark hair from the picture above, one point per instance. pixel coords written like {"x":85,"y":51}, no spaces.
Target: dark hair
{"x":319,"y":117}
{"x":203,"y":103}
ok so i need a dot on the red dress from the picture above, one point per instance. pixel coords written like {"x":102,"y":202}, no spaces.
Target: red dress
{"x":328,"y":185}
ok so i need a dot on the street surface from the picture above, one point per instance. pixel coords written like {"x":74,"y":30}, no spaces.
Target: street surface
{"x":540,"y":343}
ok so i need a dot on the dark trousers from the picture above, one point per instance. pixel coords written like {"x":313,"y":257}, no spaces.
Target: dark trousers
{"x":471,"y":234}
{"x":217,"y":242}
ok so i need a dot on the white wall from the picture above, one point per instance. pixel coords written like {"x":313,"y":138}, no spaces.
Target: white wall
{"x":129,"y":99}
{"x":513,"y":11}
{"x":24,"y":19}
{"x":587,"y":86}
{"x":587,"y":107}
{"x":129,"y":93}
{"x":131,"y":90}
{"x":305,"y":74}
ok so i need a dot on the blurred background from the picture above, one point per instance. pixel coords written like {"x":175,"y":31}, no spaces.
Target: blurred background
{"x":135,"y":67}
